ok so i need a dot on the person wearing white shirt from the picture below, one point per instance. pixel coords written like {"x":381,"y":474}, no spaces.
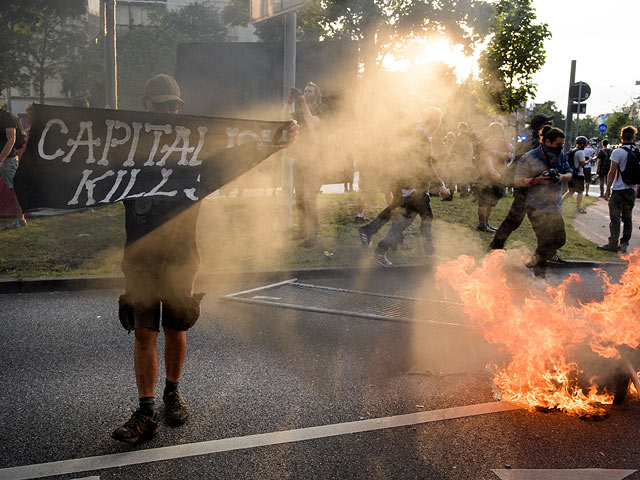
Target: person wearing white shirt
{"x":589,"y":155}
{"x":577,"y":163}
{"x":621,"y":196}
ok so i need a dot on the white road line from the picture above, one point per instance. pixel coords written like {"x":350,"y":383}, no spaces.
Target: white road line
{"x":564,"y":474}
{"x":65,"y":467}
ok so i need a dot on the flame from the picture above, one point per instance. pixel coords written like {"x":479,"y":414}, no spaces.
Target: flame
{"x":541,"y":330}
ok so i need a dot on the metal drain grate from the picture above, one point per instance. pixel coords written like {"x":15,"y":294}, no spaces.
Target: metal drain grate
{"x":378,"y":306}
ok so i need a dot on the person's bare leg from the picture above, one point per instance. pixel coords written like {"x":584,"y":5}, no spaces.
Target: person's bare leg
{"x":175,"y":351}
{"x":146,"y":361}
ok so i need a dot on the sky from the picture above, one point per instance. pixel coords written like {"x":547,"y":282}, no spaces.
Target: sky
{"x":594,"y":33}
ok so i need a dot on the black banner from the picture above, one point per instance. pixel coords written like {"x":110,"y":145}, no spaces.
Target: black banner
{"x":81,"y":157}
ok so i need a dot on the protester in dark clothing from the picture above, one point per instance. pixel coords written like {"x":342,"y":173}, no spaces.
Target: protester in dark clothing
{"x":308,"y":112}
{"x":488,"y":189}
{"x":413,"y":174}
{"x":621,"y":196}
{"x":9,"y":161}
{"x":577,"y":161}
{"x":462,"y":159}
{"x":517,"y":211}
{"x":603,"y":165}
{"x":160,"y":264}
{"x":541,"y":172}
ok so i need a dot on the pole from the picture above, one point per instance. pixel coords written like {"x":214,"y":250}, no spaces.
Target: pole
{"x":578,"y":112}
{"x":290,"y":21}
{"x":111,"y":68}
{"x":569,"y":121}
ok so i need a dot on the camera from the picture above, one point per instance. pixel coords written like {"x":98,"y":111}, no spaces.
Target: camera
{"x":295,"y":93}
{"x":552,"y":174}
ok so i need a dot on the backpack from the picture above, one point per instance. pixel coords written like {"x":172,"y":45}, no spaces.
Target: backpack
{"x":631,"y":173}
{"x":605,"y":163}
{"x":570,"y":160}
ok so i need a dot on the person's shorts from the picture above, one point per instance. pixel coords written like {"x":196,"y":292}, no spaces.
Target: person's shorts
{"x":8,"y":171}
{"x":166,"y":296}
{"x":487,"y":195}
{"x":576,"y":184}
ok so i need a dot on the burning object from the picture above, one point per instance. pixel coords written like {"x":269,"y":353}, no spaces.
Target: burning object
{"x":565,"y":354}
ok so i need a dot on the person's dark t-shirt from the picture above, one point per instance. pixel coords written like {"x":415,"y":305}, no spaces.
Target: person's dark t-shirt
{"x":6,"y":121}
{"x":160,"y":232}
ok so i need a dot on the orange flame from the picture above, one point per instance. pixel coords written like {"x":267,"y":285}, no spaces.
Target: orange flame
{"x":540,"y":329}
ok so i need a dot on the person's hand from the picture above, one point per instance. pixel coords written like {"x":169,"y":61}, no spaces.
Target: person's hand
{"x":290,"y":134}
{"x":607,"y":194}
{"x":444,"y":192}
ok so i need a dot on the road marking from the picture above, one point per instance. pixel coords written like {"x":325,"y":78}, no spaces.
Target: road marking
{"x":564,"y":474}
{"x":65,"y":467}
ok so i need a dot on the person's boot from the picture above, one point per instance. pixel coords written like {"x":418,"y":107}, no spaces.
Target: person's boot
{"x":175,"y":408}
{"x":139,"y":427}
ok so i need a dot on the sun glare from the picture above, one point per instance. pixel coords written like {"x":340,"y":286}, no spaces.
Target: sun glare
{"x":428,"y":50}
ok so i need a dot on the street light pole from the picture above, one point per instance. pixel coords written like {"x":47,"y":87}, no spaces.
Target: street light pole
{"x":111,"y":67}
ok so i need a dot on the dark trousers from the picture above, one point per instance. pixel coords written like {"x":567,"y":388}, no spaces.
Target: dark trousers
{"x":603,"y":183}
{"x":513,"y":220}
{"x":417,"y":203}
{"x":620,"y":209}
{"x":384,"y":216}
{"x":549,"y":230}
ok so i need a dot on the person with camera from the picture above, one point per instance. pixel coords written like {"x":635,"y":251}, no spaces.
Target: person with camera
{"x":517,"y":211}
{"x":307,"y":109}
{"x":541,"y":171}
{"x":578,"y":161}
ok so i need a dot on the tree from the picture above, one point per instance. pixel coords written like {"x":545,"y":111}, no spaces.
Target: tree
{"x":309,"y":27}
{"x":549,"y":108}
{"x":379,"y":25}
{"x":197,"y":22}
{"x":588,"y":127}
{"x":142,"y":53}
{"x":514,"y":54}
{"x":19,"y":23}
{"x":616,"y":122}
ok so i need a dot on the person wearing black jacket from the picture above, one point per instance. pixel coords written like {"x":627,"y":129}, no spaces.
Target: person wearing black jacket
{"x":603,"y":165}
{"x":517,"y":211}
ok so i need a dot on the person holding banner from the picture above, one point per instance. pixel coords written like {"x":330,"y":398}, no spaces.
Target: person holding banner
{"x":160,"y":264}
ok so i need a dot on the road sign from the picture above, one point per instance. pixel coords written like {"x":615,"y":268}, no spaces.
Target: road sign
{"x":264,"y":9}
{"x":602,"y":127}
{"x":580,"y":91}
{"x":583,"y":108}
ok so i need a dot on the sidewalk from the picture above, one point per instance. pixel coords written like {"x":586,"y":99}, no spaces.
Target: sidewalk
{"x":594,"y":225}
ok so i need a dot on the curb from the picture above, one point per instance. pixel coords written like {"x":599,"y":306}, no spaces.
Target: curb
{"x":64,"y":284}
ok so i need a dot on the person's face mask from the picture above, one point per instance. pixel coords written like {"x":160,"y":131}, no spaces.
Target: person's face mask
{"x":553,"y":150}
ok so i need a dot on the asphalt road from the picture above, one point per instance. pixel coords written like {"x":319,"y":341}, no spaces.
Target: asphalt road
{"x":67,"y":382}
